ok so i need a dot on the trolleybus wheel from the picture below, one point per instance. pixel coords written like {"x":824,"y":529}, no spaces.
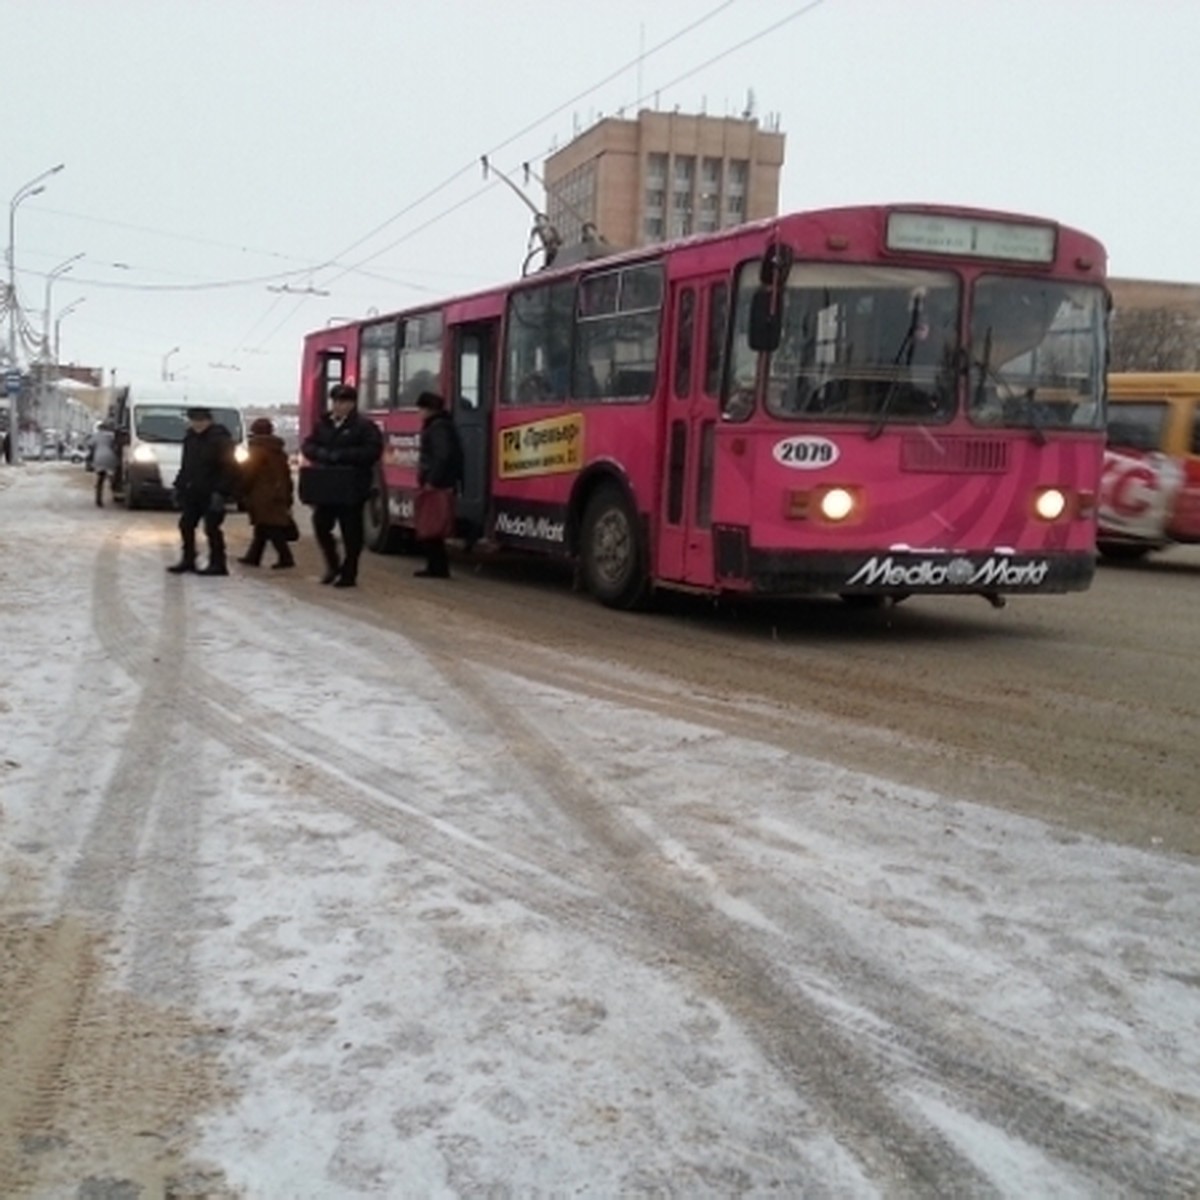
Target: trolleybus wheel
{"x":611,"y":551}
{"x":378,"y":531}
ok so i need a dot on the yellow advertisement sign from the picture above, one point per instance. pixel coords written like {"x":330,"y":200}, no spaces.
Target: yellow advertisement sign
{"x":550,"y":447}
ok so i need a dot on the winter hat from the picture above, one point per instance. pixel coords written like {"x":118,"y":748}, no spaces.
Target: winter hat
{"x":261,"y":425}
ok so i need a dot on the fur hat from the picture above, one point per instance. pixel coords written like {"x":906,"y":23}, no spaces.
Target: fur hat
{"x":261,"y":425}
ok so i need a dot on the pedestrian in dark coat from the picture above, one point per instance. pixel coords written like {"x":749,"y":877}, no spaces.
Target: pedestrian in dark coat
{"x":206,"y":481}
{"x":343,"y":438}
{"x":439,"y":472}
{"x":267,"y":493}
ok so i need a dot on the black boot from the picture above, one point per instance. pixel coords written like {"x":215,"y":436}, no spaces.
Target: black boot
{"x":182,"y":568}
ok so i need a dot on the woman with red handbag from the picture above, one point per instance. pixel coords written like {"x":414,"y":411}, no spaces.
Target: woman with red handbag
{"x":439,"y":472}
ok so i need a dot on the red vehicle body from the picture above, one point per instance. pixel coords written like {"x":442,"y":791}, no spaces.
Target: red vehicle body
{"x":870,"y":402}
{"x":1150,"y":493}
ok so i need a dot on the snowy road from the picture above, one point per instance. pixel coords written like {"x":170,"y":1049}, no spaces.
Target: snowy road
{"x":302,"y":903}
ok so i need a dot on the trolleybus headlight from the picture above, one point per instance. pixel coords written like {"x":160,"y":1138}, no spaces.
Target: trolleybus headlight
{"x":143,"y":454}
{"x":837,"y":504}
{"x":241,"y":454}
{"x":1050,"y":504}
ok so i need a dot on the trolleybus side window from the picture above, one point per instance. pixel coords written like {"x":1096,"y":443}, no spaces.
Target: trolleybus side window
{"x":685,"y":325}
{"x":616,"y":333}
{"x":419,"y":366}
{"x":376,"y":365}
{"x":714,"y":354}
{"x":537,"y":351}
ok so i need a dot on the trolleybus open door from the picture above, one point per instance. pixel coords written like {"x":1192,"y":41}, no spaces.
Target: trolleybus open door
{"x":699,"y":311}
{"x":472,"y":392}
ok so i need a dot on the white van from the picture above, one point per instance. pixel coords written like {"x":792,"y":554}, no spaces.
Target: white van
{"x":152,"y":431}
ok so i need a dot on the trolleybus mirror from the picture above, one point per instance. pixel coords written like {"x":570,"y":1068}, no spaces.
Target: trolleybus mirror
{"x":776,"y":263}
{"x":766,"y":320}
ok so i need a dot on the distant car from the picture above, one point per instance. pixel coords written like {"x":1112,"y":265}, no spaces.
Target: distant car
{"x":78,"y":454}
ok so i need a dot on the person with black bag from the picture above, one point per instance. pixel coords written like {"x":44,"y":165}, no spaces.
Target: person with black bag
{"x":344,"y":447}
{"x":439,"y":472}
{"x":203,"y":487}
{"x":267,"y":494}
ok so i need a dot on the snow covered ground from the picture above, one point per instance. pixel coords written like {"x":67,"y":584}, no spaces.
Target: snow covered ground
{"x":391,"y":920}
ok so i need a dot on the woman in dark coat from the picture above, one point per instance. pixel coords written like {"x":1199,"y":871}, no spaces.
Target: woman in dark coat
{"x":267,"y":493}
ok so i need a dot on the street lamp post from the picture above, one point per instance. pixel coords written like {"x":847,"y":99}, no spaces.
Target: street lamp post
{"x":33,"y":188}
{"x":64,"y":312}
{"x":58,"y":320}
{"x":167,"y":377}
{"x":53,"y":274}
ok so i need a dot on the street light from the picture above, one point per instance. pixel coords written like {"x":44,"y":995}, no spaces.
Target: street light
{"x":64,"y":312}
{"x":62,"y":268}
{"x":167,"y":377}
{"x":33,"y":188}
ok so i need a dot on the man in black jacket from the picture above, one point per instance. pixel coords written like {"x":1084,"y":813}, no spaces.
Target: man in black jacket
{"x":205,"y":483}
{"x":439,"y":470}
{"x":343,"y":438}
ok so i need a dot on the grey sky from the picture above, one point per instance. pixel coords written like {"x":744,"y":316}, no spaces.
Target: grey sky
{"x":258,"y":140}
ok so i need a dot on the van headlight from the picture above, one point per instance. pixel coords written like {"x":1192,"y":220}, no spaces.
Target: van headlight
{"x":241,"y":454}
{"x":144,"y":454}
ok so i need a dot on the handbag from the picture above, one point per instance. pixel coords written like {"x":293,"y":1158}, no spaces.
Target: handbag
{"x":433,"y":514}
{"x":330,"y":485}
{"x":291,"y":531}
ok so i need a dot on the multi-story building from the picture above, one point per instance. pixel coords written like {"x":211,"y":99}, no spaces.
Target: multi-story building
{"x":663,"y":176}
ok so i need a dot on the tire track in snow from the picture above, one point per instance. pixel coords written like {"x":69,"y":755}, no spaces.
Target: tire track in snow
{"x":905,"y":1152}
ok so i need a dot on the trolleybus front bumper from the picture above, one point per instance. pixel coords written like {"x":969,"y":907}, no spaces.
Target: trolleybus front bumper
{"x":905,"y":572}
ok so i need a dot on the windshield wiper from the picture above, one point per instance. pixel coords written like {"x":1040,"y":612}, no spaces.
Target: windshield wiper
{"x":908,"y":346}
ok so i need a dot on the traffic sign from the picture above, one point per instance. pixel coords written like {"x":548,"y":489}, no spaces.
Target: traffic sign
{"x":12,"y":382}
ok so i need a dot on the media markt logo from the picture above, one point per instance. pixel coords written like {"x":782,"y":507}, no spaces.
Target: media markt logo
{"x":540,"y":529}
{"x":996,"y":571}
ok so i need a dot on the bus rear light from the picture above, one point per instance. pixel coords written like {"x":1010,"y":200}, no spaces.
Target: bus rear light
{"x":1085,"y":504}
{"x":1050,"y":503}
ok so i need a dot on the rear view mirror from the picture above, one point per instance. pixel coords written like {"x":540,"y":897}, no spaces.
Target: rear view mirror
{"x":766,"y":321}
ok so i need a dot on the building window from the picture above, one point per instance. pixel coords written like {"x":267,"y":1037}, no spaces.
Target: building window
{"x":682,"y":196}
{"x":656,"y":171}
{"x":572,"y":202}
{"x":653,"y":228}
{"x":735,"y":191}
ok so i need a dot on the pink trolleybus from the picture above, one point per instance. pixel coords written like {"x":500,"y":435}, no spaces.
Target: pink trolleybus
{"x":870,"y":402}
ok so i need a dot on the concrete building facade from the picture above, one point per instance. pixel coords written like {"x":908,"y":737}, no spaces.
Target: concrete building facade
{"x":663,"y":176}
